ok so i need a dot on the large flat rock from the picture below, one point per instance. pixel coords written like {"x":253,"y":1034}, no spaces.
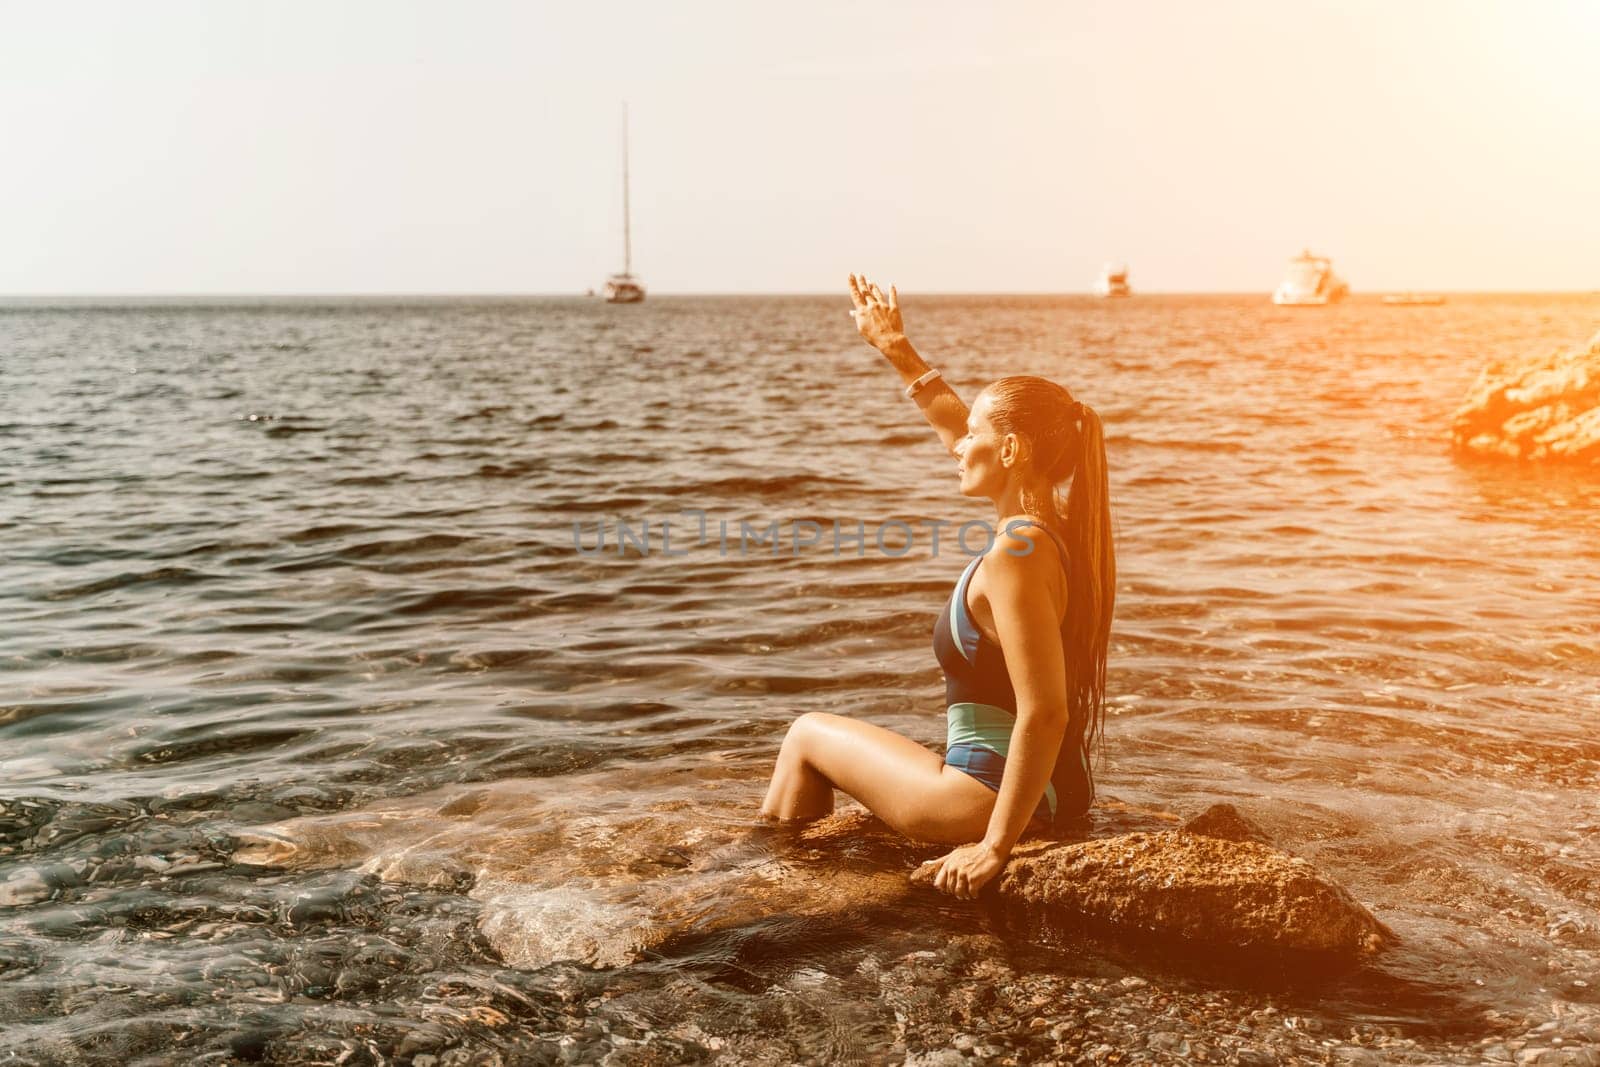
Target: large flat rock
{"x":1215,"y":881}
{"x":1188,"y":885}
{"x":1543,"y":408}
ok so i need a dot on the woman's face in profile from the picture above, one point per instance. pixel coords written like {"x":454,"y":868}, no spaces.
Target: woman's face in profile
{"x":978,"y":453}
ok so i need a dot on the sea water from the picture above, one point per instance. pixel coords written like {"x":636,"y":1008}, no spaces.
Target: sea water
{"x":320,"y":585}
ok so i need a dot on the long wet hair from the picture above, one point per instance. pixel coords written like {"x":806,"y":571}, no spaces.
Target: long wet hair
{"x":1065,"y":444}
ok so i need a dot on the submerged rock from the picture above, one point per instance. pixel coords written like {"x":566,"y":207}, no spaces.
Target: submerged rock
{"x":1542,"y":409}
{"x":572,"y":869}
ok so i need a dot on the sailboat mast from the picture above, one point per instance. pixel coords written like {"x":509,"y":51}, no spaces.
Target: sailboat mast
{"x":627,"y":226}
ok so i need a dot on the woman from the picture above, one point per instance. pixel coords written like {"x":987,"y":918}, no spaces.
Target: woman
{"x":1022,"y":641}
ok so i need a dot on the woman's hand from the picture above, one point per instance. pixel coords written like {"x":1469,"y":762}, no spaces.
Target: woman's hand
{"x":877,"y":316}
{"x":964,"y":872}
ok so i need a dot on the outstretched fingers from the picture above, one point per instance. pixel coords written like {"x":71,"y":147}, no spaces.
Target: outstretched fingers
{"x":866,"y":295}
{"x":858,"y":295}
{"x":871,"y":293}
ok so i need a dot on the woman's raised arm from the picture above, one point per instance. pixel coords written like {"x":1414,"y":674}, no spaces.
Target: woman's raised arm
{"x":878,"y":319}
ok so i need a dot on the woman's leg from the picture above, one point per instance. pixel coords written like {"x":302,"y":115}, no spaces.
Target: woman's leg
{"x":901,"y":782}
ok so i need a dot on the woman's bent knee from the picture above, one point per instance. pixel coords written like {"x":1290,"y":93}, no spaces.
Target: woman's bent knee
{"x":806,"y":728}
{"x":799,"y":744}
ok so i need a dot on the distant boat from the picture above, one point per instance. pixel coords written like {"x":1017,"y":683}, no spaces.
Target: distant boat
{"x":1310,"y":282}
{"x":1413,"y":299}
{"x":624,"y":288}
{"x":1113,"y":282}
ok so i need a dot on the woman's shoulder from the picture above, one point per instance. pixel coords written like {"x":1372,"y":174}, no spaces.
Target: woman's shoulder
{"x":1025,"y":547}
{"x":1026,"y":566}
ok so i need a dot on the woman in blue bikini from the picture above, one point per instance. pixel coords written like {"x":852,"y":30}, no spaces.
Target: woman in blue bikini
{"x":1022,"y":641}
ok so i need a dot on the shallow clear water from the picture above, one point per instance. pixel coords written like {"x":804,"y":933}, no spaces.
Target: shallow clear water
{"x":269,"y":561}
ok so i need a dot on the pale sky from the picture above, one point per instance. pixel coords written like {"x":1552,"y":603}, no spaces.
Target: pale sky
{"x":227,"y":146}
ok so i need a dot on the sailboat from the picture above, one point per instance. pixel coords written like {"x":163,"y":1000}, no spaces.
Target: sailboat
{"x":624,"y":288}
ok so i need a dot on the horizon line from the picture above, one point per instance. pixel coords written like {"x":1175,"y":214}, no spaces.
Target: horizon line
{"x":442,"y":294}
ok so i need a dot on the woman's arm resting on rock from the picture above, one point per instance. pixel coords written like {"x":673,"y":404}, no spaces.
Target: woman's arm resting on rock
{"x":1027,"y":619}
{"x":878,"y":319}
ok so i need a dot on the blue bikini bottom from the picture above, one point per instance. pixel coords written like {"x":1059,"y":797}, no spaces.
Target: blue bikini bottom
{"x":987,"y":766}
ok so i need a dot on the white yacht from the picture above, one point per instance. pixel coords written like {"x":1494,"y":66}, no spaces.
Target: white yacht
{"x":624,"y":288}
{"x":1310,"y":281}
{"x":1113,"y":281}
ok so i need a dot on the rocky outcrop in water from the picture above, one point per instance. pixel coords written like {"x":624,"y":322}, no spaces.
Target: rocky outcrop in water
{"x":1226,"y":822}
{"x":559,"y":879}
{"x":1211,"y":881}
{"x":1201,"y":888}
{"x":1541,"y":409}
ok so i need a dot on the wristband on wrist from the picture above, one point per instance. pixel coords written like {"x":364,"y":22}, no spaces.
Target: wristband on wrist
{"x":916,"y":387}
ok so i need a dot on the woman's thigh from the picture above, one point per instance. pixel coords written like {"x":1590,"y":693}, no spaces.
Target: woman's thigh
{"x":902,"y":783}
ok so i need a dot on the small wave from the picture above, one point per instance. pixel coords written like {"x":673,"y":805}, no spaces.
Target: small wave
{"x":64,"y":714}
{"x":203,"y":741}
{"x":1177,"y":444}
{"x":322,"y":533}
{"x":667,"y":717}
{"x":516,"y":469}
{"x":657,"y":588}
{"x":285,"y":429}
{"x":403,"y":546}
{"x":776,"y":485}
{"x":276,"y":425}
{"x":574,"y":601}
{"x":510,"y":600}
{"x":484,"y":413}
{"x":119,"y":652}
{"x":159,"y":576}
{"x":816,"y":637}
{"x":798,"y":684}
{"x":487,"y":659}
{"x":610,"y":505}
